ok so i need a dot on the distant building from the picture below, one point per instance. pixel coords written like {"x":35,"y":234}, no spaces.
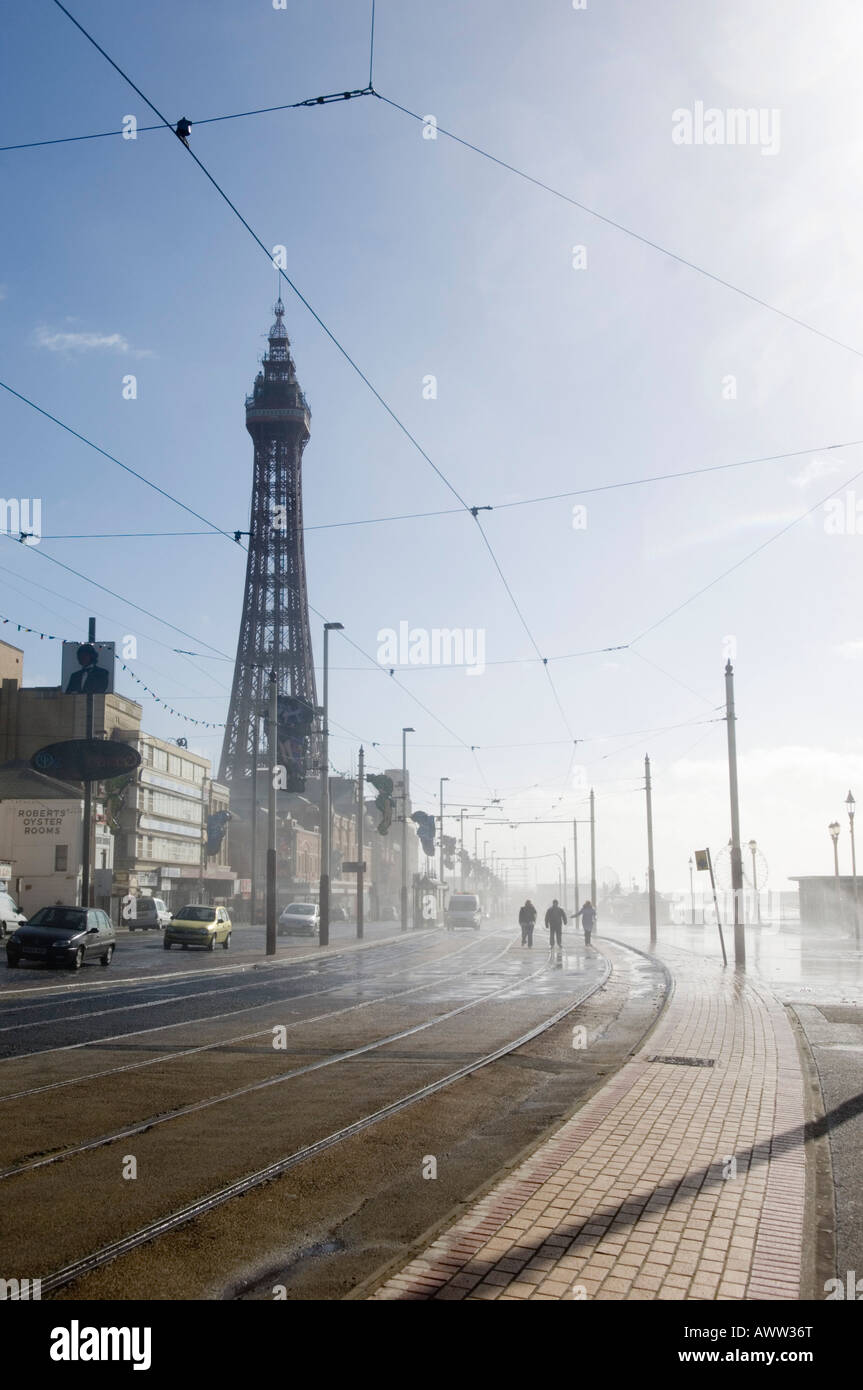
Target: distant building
{"x":149,"y":828}
{"x":161,"y":823}
{"x":42,"y":840}
{"x":821,"y":905}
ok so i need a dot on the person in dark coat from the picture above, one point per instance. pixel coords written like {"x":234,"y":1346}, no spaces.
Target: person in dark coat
{"x":527,"y":922}
{"x":555,"y":918}
{"x":92,"y":679}
{"x":588,"y":920}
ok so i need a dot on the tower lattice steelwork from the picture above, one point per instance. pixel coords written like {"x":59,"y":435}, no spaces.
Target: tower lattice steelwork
{"x":274,"y":632}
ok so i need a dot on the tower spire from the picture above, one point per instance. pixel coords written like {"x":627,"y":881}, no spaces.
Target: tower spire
{"x":274,"y":630}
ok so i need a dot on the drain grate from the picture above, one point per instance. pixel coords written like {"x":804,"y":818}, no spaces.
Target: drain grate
{"x":684,"y":1061}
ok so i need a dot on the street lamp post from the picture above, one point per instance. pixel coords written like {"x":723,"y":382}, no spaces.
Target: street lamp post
{"x":442,"y":780}
{"x":324,"y":893}
{"x":404,"y":902}
{"x":691,"y":894}
{"x":849,"y":802}
{"x":834,"y":828}
{"x":753,"y":847}
{"x":461,"y":848}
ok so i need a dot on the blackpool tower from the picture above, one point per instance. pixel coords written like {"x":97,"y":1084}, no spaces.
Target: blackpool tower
{"x":274,"y":631}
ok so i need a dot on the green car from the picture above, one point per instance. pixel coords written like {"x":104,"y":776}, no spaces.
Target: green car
{"x":199,"y":925}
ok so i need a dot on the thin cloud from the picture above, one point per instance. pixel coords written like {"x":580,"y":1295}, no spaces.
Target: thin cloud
{"x":813,"y":471}
{"x":56,"y":341}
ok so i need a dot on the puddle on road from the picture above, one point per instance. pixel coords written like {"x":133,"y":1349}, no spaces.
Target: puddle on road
{"x":262,"y":1285}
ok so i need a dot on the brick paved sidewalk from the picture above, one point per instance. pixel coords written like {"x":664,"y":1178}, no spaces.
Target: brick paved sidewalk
{"x":629,"y":1199}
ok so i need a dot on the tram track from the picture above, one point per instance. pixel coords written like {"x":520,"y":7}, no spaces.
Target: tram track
{"x":210,"y":1018}
{"x":226,"y":1042}
{"x":153,"y":1121}
{"x":25,"y":1006}
{"x":145,"y":1234}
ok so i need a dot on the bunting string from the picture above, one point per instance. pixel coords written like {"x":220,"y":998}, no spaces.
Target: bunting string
{"x":175,"y":713}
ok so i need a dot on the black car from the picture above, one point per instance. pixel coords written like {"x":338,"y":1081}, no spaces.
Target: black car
{"x":63,"y":936}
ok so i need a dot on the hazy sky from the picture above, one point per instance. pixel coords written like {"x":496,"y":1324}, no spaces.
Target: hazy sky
{"x":426,"y":260}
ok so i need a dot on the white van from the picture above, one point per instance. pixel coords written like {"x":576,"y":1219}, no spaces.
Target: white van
{"x":463,"y":910}
{"x":10,"y":914}
{"x":148,"y":914}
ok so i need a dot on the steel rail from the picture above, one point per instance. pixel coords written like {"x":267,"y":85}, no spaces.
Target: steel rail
{"x":246,"y":1037}
{"x":163,"y":1225}
{"x":166,"y":1117}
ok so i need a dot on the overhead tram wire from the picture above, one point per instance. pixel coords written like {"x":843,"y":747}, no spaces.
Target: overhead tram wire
{"x":627,"y":231}
{"x":288,"y":281}
{"x":305,"y":302}
{"x":215,"y":529}
{"x":343,"y":351}
{"x":326,"y":100}
{"x":745,"y":558}
{"x":113,"y":593}
{"x":446,"y":511}
{"x":457,"y":139}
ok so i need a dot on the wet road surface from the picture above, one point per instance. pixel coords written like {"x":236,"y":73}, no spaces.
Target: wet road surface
{"x":122,"y":1103}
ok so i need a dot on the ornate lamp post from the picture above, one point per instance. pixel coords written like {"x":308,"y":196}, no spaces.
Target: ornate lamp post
{"x":834,"y":828}
{"x":753,"y":848}
{"x":849,"y":802}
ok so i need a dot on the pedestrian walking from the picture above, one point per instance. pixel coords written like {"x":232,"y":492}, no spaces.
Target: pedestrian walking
{"x":527,"y":922}
{"x":554,"y":920}
{"x":588,"y":920}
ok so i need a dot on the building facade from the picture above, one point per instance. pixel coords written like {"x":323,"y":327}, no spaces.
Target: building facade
{"x":161,"y":816}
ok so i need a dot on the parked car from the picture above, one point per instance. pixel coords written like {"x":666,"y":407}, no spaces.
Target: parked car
{"x":196,"y":924}
{"x":148,"y":914}
{"x":63,"y":936}
{"x":299,"y":919}
{"x":11,"y":915}
{"x":463,"y":910}
{"x":338,"y":913}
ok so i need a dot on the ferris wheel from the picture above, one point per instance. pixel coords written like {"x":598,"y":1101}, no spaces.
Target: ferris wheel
{"x":756,"y":870}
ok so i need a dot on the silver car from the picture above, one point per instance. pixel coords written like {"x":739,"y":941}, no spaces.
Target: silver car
{"x":299,"y":919}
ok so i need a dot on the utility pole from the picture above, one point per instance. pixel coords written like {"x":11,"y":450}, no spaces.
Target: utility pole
{"x":461,"y":849}
{"x":651,"y":881}
{"x":592,"y":849}
{"x":563,"y":899}
{"x":254,"y":884}
{"x":324,"y":890}
{"x":87,"y":826}
{"x":271,"y":816}
{"x":404,"y":896}
{"x":575,"y":859}
{"x":442,"y":780}
{"x":361,"y":809}
{"x":736,"y":856}
{"x":207,"y":782}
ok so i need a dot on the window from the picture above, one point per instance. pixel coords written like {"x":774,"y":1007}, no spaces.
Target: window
{"x":160,"y":759}
{"x":61,"y":859}
{"x":174,"y":764}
